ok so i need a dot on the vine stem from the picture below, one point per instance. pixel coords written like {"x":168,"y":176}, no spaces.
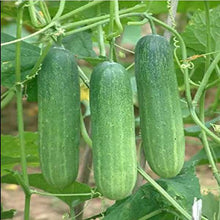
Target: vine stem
{"x":152,"y":214}
{"x":27,"y":206}
{"x":84,"y":131}
{"x":29,"y":36}
{"x":83,"y":77}
{"x":32,"y":13}
{"x":37,"y":65}
{"x":20,"y":111}
{"x":111,"y":29}
{"x":163,"y":192}
{"x":60,"y":9}
{"x":205,"y":79}
{"x":217,"y":97}
{"x":101,"y":36}
{"x":202,"y":97}
{"x":19,"y":96}
{"x":208,"y":35}
{"x":100,"y":18}
{"x":75,"y":24}
{"x":80,"y":9}
{"x":45,"y":11}
{"x":64,"y":195}
{"x":7,"y":99}
{"x":206,"y":143}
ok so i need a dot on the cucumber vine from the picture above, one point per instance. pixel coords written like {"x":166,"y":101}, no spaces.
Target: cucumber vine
{"x":58,"y":24}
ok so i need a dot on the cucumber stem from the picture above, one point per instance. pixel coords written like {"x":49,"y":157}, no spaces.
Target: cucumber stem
{"x":101,"y":36}
{"x":84,"y":132}
{"x":7,"y":99}
{"x":60,"y":9}
{"x":206,"y":143}
{"x":163,"y":193}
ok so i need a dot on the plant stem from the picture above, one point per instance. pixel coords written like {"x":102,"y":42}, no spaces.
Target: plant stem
{"x":152,"y":214}
{"x":45,"y":11}
{"x":217,"y":98}
{"x":100,"y":18}
{"x":117,"y":18}
{"x":111,"y":30}
{"x":205,"y":79}
{"x":78,"y":23}
{"x":21,"y":182}
{"x":163,"y":192}
{"x":212,"y":84}
{"x":125,"y":49}
{"x":19,"y":97}
{"x":83,"y":77}
{"x":208,"y":35}
{"x":32,"y":13}
{"x":101,"y":36}
{"x":84,"y":132}
{"x":205,"y":141}
{"x":64,"y":195}
{"x":27,"y":206}
{"x":60,"y":9}
{"x":37,"y":65}
{"x":7,"y":99}
{"x":29,"y":36}
{"x":80,"y":9}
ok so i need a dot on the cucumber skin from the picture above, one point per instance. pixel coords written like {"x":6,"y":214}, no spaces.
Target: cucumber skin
{"x":159,"y":105}
{"x":59,"y":117}
{"x":113,"y":134}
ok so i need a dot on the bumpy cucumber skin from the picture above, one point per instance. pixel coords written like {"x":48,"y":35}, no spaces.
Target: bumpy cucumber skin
{"x":58,"y":119}
{"x":160,"y":112}
{"x":113,"y":134}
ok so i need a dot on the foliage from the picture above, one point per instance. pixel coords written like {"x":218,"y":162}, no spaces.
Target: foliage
{"x":146,"y":202}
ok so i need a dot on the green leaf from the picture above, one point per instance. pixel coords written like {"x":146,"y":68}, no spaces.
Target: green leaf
{"x":195,"y":34}
{"x":29,"y":56}
{"x":184,"y":6}
{"x":80,"y":44}
{"x":9,"y":9}
{"x":183,"y":188}
{"x":10,"y":150}
{"x":210,"y":206}
{"x":131,"y":34}
{"x":8,"y":214}
{"x":201,"y":158}
{"x":36,"y":180}
{"x":194,"y":131}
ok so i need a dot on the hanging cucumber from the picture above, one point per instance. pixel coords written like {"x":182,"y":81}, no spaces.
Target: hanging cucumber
{"x":113,"y":134}
{"x":159,"y":105}
{"x":59,"y":114}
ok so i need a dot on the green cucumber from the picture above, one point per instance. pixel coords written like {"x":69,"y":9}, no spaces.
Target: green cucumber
{"x":113,"y":134}
{"x":160,"y":113}
{"x":59,"y":117}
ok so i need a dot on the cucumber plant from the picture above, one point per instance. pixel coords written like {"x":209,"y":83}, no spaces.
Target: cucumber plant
{"x":113,"y":133}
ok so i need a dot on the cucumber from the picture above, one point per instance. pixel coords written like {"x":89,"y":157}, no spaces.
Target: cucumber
{"x":159,"y":105}
{"x":59,"y":117}
{"x":113,"y":134}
